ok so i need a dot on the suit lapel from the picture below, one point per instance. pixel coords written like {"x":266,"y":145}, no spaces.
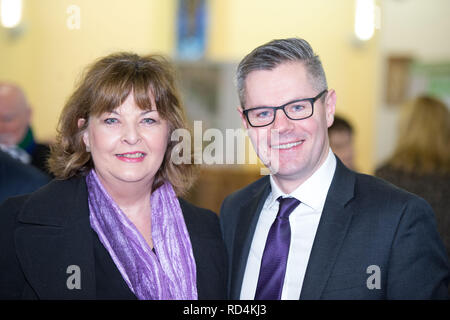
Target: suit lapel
{"x":333,"y":226}
{"x":248,"y":218}
{"x":54,"y":244}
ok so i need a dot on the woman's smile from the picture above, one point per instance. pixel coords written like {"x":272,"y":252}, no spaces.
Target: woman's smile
{"x":135,"y":156}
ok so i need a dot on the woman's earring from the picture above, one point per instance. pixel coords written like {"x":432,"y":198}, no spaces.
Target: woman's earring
{"x":88,"y":149}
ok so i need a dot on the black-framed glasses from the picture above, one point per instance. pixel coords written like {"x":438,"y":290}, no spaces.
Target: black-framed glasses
{"x":294,"y":110}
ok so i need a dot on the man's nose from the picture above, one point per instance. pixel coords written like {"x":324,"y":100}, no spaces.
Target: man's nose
{"x":282,"y":122}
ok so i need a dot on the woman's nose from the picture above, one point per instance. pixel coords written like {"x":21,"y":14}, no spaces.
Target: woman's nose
{"x":131,"y":134}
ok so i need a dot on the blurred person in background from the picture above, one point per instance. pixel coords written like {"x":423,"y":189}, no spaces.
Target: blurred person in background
{"x":420,"y":162}
{"x":340,"y":134}
{"x":18,"y":178}
{"x":16,"y":136}
{"x":112,"y":225}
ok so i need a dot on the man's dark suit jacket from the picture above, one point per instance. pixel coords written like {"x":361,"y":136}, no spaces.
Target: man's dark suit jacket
{"x":18,"y":178}
{"x":365,"y":222}
{"x":44,"y":233}
{"x":39,"y":157}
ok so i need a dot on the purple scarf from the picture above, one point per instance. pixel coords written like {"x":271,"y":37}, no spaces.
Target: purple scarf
{"x":169,"y":274}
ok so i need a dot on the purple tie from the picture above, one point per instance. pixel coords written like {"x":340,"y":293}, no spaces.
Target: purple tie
{"x":274,"y":260}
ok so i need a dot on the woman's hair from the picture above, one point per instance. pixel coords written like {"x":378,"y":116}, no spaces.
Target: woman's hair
{"x":423,"y":145}
{"x":104,"y":86}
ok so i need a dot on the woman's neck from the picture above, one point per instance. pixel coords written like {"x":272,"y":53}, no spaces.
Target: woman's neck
{"x":131,"y":197}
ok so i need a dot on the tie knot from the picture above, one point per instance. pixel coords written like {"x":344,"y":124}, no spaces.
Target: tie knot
{"x":287,"y":205}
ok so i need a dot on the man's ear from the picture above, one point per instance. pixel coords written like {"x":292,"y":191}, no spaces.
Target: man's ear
{"x":243,"y":119}
{"x":28,"y":114}
{"x":330,"y":106}
{"x":81,"y":122}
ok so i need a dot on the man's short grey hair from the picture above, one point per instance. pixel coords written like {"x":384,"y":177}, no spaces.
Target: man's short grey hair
{"x":272,"y":54}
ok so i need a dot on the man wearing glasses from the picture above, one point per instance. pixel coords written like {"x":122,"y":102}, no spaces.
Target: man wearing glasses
{"x":313,"y":229}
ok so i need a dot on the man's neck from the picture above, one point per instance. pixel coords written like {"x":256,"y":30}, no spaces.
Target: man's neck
{"x":288,"y":184}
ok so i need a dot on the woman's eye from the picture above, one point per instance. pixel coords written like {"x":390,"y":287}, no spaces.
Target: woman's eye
{"x":148,"y":120}
{"x":111,"y":121}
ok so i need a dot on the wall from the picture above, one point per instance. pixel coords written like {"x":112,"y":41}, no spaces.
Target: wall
{"x":239,"y":26}
{"x":49,"y":57}
{"x":416,"y":28}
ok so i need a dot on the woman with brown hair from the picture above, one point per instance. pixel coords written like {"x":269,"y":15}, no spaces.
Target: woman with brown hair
{"x":111,"y":225}
{"x":421,"y":160}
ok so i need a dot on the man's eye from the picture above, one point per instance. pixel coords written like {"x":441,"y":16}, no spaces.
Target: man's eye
{"x":297,"y":107}
{"x":8,"y":119}
{"x":264,"y":114}
{"x":111,"y":121}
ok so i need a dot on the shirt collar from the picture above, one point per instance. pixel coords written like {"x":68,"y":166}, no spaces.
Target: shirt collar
{"x":313,"y":192}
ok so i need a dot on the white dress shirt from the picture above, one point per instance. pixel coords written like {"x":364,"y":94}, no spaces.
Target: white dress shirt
{"x":303,"y":220}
